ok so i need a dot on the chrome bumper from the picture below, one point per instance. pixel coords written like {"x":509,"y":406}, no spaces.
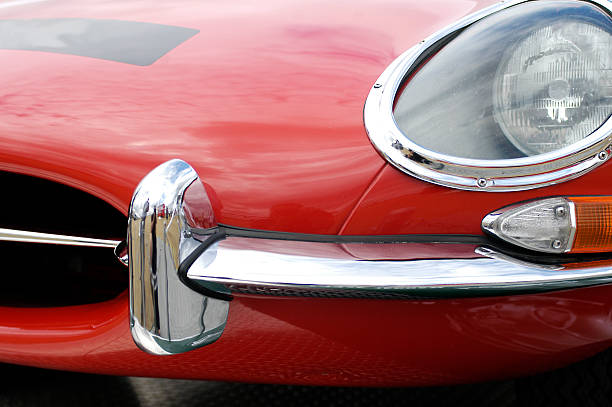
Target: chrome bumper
{"x":182,"y":276}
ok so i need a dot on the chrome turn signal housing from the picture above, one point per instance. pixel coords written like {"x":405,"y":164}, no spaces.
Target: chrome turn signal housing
{"x":581,"y":224}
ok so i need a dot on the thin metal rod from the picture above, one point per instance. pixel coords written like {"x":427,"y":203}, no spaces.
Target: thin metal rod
{"x":10,"y":235}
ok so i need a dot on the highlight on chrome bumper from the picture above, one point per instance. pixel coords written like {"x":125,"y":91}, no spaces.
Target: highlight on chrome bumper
{"x":184,"y":267}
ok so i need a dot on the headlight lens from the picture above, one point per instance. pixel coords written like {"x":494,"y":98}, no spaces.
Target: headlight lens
{"x":553,"y":88}
{"x":531,"y":79}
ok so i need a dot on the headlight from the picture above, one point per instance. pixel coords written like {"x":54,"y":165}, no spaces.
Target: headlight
{"x":516,"y":96}
{"x":552,"y":89}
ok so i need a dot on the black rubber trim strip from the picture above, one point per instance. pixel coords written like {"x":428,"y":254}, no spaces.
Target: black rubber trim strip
{"x":193,"y":256}
{"x":307,"y":237}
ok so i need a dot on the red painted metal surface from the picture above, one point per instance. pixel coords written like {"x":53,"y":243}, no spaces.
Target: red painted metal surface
{"x":331,"y":341}
{"x":397,"y":203}
{"x":266,"y":104}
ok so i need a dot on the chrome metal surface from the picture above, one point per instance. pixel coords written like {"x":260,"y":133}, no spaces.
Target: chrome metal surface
{"x":11,"y":235}
{"x":489,"y":221}
{"x":494,"y":254}
{"x":574,"y":222}
{"x":603,"y":155}
{"x":472,"y":174}
{"x":166,"y":316}
{"x":121,"y":252}
{"x":270,"y":272}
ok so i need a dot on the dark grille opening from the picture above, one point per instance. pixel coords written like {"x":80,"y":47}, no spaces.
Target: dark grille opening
{"x":43,"y":275}
{"x":39,"y":205}
{"x":40,"y":275}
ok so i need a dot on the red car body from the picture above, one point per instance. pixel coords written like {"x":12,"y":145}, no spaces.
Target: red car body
{"x":266,"y":102}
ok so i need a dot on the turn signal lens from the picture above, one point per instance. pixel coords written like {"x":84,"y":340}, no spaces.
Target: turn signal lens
{"x":556,"y":225}
{"x":593,"y":224}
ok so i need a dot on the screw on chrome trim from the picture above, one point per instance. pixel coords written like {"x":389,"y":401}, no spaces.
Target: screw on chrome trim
{"x":560,"y":211}
{"x":377,"y":85}
{"x":602,"y":155}
{"x":556,"y":244}
{"x":397,"y":145}
{"x":482,"y":182}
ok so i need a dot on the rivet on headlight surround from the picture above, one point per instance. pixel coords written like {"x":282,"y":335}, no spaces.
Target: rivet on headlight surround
{"x":466,"y":173}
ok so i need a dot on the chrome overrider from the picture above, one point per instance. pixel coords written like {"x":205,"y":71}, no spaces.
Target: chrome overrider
{"x":182,"y":277}
{"x":166,"y":317}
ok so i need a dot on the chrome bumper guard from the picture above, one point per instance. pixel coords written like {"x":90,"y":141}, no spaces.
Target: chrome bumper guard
{"x":182,"y":275}
{"x":166,"y":316}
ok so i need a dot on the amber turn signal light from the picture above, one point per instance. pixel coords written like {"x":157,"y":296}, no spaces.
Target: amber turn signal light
{"x":593,"y":224}
{"x":581,"y":224}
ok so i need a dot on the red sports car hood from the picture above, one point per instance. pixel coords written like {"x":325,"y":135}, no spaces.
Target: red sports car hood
{"x":263,"y":99}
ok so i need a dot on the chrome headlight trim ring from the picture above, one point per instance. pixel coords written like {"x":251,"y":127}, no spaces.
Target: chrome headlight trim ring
{"x":472,"y":174}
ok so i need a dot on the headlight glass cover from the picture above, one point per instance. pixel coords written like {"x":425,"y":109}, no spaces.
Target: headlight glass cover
{"x":553,"y":89}
{"x":515,"y":97}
